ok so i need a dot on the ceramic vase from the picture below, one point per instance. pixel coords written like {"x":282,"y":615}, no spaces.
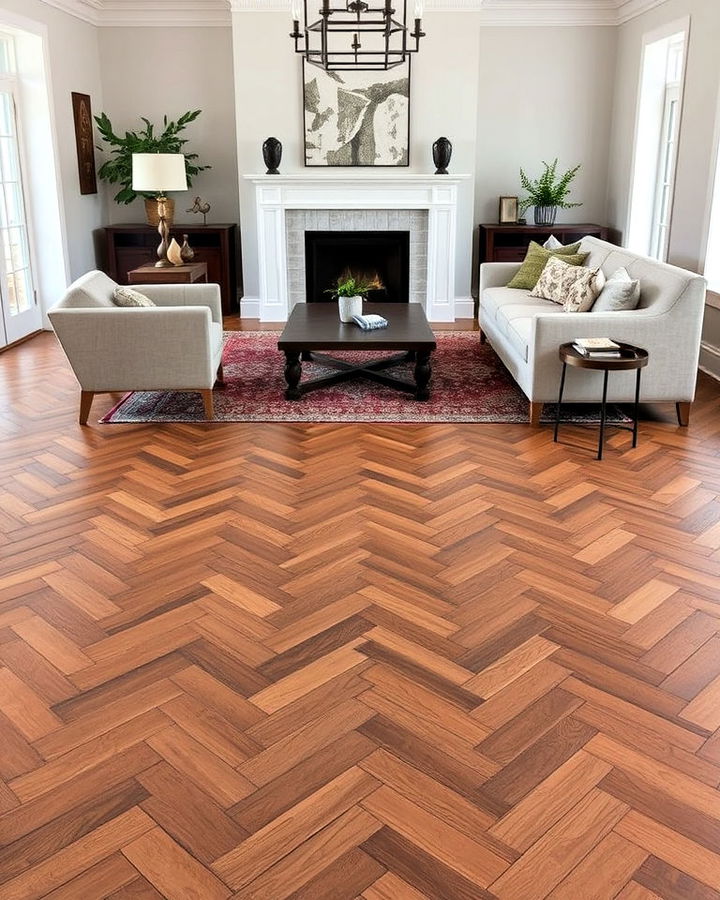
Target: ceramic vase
{"x":442,"y":153}
{"x":174,"y":253}
{"x":272,"y":154}
{"x":349,"y":307}
{"x":186,"y":251}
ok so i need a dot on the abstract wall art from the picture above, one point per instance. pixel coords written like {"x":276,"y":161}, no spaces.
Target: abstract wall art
{"x":357,"y":118}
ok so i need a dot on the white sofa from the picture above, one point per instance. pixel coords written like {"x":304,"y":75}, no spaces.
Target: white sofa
{"x":176,"y":345}
{"x":526,"y":332}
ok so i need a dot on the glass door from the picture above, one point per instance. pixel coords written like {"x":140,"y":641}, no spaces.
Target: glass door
{"x":18,"y":299}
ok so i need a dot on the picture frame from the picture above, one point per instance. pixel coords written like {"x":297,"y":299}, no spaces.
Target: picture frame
{"x":508,"y":210}
{"x":85,"y":142}
{"x":356,"y":119}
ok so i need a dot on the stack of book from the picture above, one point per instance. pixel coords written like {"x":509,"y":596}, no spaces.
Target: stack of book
{"x":597,"y":348}
{"x":370,"y":322}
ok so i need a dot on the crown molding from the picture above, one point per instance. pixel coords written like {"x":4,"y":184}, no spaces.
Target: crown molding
{"x":204,"y":13}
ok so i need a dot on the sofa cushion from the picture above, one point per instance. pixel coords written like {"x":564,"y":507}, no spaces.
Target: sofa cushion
{"x":503,"y":304}
{"x":535,"y":262}
{"x":518,"y":333}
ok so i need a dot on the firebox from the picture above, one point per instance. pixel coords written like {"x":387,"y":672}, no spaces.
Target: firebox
{"x":329,"y":254}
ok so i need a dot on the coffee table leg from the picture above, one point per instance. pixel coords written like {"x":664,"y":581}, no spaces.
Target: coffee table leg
{"x":602,"y":415}
{"x":635,"y":412}
{"x":559,"y":403}
{"x":306,"y":356}
{"x":293,"y":371}
{"x":423,"y":373}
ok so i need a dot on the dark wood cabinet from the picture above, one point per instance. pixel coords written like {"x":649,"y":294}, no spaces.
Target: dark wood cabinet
{"x":129,"y":246}
{"x":509,"y":243}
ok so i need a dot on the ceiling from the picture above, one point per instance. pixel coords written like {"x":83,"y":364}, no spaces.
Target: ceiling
{"x":218,"y":12}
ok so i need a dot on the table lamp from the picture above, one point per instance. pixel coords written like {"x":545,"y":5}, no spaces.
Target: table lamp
{"x":157,"y":173}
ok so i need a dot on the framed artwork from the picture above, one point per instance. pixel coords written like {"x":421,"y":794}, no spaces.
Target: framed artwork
{"x":357,"y":118}
{"x":82,"y":113}
{"x":508,"y":214}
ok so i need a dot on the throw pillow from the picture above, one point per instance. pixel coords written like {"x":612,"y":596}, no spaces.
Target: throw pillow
{"x":535,"y":262}
{"x":552,"y":243}
{"x":573,"y":286}
{"x":125,"y":296}
{"x":620,"y":292}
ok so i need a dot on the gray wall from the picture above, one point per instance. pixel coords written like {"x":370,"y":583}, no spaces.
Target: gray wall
{"x":152,"y":72}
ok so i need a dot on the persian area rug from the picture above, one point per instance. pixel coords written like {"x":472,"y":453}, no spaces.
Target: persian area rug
{"x":469,"y":384}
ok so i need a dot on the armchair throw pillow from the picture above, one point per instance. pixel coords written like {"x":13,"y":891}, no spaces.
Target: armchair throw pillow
{"x":125,"y":296}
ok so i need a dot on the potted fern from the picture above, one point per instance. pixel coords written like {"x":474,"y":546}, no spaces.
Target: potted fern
{"x":548,"y":193}
{"x":350,"y":291}
{"x":118,"y":169}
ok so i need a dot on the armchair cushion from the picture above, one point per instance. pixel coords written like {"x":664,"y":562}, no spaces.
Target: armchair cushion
{"x":125,"y":296}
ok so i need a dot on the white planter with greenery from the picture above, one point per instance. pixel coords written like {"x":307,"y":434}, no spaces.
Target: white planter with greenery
{"x":350,"y":293}
{"x":349,"y":307}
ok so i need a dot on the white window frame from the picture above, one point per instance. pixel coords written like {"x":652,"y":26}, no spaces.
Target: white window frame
{"x":643,"y":204}
{"x":711,"y":248}
{"x":666,"y":169}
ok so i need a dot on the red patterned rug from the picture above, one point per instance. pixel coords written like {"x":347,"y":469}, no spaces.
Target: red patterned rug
{"x":469,"y":384}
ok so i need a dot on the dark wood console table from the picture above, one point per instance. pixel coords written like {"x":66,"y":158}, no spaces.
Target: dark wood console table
{"x":129,"y":246}
{"x":509,"y":243}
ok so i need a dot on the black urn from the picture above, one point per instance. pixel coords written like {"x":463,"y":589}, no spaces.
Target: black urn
{"x":442,"y":153}
{"x":272,"y":154}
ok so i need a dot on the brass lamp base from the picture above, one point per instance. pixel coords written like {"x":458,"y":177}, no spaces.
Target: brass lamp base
{"x":164,"y":232}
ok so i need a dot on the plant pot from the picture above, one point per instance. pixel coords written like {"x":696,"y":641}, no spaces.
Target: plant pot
{"x":349,"y":307}
{"x":545,"y":215}
{"x":153,"y":215}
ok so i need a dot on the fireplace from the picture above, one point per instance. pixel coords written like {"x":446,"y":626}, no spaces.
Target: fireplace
{"x":328,"y":254}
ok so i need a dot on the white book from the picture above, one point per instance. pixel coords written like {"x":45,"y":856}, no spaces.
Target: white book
{"x":596,"y":343}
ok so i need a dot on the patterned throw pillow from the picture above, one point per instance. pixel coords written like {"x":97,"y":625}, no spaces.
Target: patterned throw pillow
{"x":535,"y":261}
{"x":620,"y":292}
{"x":125,"y":296}
{"x":575,"y":287}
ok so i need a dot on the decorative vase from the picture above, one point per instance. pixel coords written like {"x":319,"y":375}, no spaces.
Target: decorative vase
{"x":272,"y":154}
{"x":174,"y":254}
{"x":152,"y":213}
{"x":442,"y":153}
{"x":349,"y":307}
{"x":186,"y":251}
{"x":545,"y":215}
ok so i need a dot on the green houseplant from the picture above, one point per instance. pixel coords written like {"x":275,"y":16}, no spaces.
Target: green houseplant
{"x":118,"y":169}
{"x":548,"y":193}
{"x":349,"y":292}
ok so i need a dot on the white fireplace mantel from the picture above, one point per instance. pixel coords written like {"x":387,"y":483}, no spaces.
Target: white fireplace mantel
{"x":438,"y":194}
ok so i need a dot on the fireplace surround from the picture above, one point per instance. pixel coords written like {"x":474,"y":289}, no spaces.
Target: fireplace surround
{"x":286,"y":206}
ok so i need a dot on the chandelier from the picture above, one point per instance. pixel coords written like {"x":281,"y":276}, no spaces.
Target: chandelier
{"x":354,"y":34}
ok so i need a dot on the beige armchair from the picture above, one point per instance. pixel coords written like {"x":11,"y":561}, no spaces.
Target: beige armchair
{"x":176,"y":345}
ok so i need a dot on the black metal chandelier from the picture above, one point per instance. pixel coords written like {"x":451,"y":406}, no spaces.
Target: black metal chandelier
{"x":354,"y":34}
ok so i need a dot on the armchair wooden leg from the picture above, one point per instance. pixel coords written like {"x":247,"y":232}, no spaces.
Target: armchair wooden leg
{"x":208,"y":403}
{"x":683,"y":413}
{"x":535,"y":413}
{"x":483,"y":339}
{"x":86,"y":399}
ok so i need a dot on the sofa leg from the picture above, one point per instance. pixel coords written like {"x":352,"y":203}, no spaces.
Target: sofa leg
{"x":535,"y":413}
{"x":683,"y":413}
{"x":483,"y":339}
{"x":86,"y":399}
{"x":208,"y":403}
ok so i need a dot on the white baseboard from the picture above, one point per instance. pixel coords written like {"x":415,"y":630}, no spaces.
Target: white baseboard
{"x":250,"y":308}
{"x":710,"y":360}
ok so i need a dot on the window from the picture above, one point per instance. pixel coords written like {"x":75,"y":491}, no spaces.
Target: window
{"x":712,"y":258}
{"x":17,"y":291}
{"x":656,"y":142}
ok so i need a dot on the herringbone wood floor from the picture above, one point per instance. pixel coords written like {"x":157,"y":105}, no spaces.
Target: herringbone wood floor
{"x":333,"y":662}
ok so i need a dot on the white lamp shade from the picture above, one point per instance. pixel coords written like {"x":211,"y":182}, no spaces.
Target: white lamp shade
{"x":158,"y":172}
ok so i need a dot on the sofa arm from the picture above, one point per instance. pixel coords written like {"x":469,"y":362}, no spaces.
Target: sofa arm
{"x":137,"y":349}
{"x":184,"y":295}
{"x":497,"y":274}
{"x":672,"y":346}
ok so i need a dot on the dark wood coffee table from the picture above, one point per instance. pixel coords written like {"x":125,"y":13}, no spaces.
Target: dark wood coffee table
{"x":314,"y":327}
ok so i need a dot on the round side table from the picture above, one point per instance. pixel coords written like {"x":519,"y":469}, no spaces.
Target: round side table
{"x":630,"y":358}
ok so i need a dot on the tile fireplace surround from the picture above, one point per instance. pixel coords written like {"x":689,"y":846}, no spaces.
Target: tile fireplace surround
{"x":288,"y":205}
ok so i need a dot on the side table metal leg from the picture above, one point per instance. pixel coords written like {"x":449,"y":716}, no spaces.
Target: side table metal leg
{"x":637,"y":403}
{"x":559,"y":403}
{"x":293,"y":372}
{"x":602,"y":415}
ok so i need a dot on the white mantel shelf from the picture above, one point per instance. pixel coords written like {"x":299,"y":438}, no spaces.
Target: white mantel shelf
{"x":353,"y":190}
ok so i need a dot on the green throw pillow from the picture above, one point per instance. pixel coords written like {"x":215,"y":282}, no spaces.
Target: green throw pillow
{"x":535,"y":262}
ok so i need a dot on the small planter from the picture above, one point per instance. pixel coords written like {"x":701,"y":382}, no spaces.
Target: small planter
{"x":349,"y":307}
{"x":545,"y":215}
